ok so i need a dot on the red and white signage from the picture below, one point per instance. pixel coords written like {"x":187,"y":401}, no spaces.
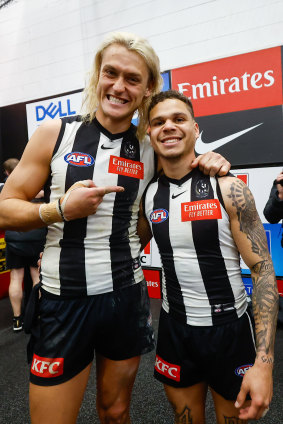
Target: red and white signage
{"x":171,"y":371}
{"x":127,"y":167}
{"x":246,"y":81}
{"x":47,"y":367}
{"x":201,"y":209}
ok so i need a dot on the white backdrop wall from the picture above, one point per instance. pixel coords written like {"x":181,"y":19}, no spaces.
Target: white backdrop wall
{"x":47,"y":46}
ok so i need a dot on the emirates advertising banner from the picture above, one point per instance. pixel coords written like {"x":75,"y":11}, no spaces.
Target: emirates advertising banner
{"x":238,"y":106}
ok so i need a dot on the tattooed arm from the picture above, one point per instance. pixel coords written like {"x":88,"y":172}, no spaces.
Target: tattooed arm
{"x":250,"y":238}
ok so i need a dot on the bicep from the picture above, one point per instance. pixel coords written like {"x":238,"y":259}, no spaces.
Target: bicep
{"x":246,"y":226}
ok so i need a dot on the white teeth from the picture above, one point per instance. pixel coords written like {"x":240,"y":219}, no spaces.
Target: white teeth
{"x":172,"y":140}
{"x":115,"y":100}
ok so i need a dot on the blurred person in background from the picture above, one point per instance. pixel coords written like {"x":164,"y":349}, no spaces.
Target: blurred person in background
{"x":22,"y":253}
{"x":273,"y":212}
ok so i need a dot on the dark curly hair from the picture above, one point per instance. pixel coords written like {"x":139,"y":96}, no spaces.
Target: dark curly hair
{"x":170,"y":94}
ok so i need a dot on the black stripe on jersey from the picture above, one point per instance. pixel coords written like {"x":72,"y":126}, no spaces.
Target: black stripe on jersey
{"x":212,"y":266}
{"x":72,"y":244}
{"x":219,"y":194}
{"x":161,"y":234}
{"x":122,"y":263}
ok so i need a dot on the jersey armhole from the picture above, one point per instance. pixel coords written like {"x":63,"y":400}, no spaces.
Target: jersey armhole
{"x":219,"y":193}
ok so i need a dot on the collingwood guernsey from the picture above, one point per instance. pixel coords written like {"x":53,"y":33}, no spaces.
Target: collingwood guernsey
{"x":200,"y":261}
{"x":99,"y":253}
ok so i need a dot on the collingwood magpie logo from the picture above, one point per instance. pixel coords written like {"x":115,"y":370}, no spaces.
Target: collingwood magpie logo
{"x":202,"y":188}
{"x":130,"y":150}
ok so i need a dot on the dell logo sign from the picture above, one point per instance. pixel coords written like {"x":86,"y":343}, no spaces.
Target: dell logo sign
{"x":53,"y":110}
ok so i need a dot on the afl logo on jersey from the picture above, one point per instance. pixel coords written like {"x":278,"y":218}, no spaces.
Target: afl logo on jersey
{"x":79,"y":159}
{"x":241,"y":371}
{"x":158,"y":215}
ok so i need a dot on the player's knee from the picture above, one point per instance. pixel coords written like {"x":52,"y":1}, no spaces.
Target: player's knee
{"x":117,"y":413}
{"x":15,"y":292}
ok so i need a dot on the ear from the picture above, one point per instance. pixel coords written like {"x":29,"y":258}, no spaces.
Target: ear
{"x":147,"y":92}
{"x":196,"y":127}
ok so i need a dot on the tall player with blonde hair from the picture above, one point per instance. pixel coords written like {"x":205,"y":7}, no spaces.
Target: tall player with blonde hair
{"x":93,"y":294}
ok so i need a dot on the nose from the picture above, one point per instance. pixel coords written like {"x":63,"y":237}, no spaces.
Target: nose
{"x":169,"y":125}
{"x":119,"y":85}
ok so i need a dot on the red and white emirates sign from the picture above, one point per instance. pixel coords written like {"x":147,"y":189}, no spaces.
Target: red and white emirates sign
{"x":201,"y":209}
{"x":247,"y":81}
{"x":127,"y":167}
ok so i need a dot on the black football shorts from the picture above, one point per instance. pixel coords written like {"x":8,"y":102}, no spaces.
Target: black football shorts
{"x":117,"y":325}
{"x":218,"y":355}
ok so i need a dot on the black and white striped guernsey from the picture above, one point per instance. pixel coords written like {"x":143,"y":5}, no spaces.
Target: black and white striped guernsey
{"x":200,"y":261}
{"x":100,"y":253}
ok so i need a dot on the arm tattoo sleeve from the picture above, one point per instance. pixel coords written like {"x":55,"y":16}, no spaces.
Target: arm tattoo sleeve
{"x":265,"y":294}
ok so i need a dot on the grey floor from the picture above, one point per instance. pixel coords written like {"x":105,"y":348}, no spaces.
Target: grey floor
{"x":149,"y":405}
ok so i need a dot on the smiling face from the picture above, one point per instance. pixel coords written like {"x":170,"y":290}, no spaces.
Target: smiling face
{"x":173,"y":131}
{"x":122,"y":85}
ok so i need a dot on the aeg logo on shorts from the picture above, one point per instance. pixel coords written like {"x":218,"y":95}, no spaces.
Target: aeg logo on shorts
{"x":168,"y":370}
{"x":47,"y":367}
{"x":241,"y":371}
{"x":127,"y":167}
{"x":79,"y":159}
{"x":201,"y":209}
{"x":158,"y":215}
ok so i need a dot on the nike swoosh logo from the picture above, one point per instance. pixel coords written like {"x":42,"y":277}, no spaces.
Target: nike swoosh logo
{"x":202,"y":147}
{"x":176,"y":195}
{"x":106,"y":148}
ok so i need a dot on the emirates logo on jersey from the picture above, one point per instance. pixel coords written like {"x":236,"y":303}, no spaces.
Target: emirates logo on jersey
{"x":200,"y":210}
{"x":126,"y":167}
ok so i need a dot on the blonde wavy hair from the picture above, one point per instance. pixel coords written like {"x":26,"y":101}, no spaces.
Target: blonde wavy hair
{"x":133,"y":43}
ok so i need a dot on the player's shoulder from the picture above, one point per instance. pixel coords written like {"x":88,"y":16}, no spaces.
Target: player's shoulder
{"x":228,"y":181}
{"x":50,"y":127}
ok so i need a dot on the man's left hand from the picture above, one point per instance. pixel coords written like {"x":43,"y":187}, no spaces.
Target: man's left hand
{"x":258,"y":383}
{"x":212,"y":163}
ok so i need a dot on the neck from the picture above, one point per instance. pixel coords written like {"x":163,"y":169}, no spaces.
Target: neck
{"x":177,"y":168}
{"x":112,"y":125}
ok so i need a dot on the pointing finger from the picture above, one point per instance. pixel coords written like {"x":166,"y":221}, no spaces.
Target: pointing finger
{"x":109,"y":189}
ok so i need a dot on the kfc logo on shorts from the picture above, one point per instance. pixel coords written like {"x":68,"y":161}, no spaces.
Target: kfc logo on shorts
{"x":168,"y":370}
{"x":158,"y":215}
{"x":241,"y":371}
{"x":79,"y":159}
{"x":47,"y":367}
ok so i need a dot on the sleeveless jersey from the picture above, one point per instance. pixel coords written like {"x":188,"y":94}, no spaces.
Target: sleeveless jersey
{"x":99,"y":253}
{"x":202,"y":282}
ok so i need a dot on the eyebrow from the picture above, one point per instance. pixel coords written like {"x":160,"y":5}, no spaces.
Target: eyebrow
{"x":129,"y":74}
{"x":158,"y":118}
